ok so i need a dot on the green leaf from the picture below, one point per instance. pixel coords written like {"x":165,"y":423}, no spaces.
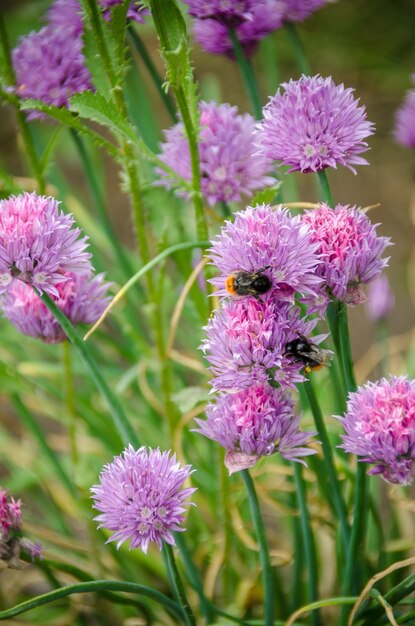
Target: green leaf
{"x":169,"y":23}
{"x":186,"y":399}
{"x":266,"y":196}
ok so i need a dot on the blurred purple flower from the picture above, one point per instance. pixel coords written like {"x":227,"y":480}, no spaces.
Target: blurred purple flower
{"x":228,"y":166}
{"x":246,"y":343}
{"x":140,"y":497}
{"x":314,"y":124}
{"x":404,"y":132}
{"x":264,"y":236}
{"x":252,"y":423}
{"x":261,"y":18}
{"x":11,"y":541}
{"x":299,"y":10}
{"x":230,"y":13}
{"x":82,"y":299}
{"x":380,"y":299}
{"x":66,"y":14}
{"x":349,"y":247}
{"x":38,"y":243}
{"x":50,"y":67}
{"x":380,"y":427}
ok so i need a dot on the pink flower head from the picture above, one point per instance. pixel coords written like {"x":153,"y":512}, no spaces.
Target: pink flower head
{"x":299,"y":10}
{"x":228,"y":166}
{"x":246,"y":344}
{"x":252,"y":20}
{"x":50,"y":67}
{"x":252,"y":423}
{"x":11,"y":541}
{"x":380,"y":298}
{"x":314,"y":124}
{"x":38,"y":243}
{"x":266,"y":237}
{"x":140,"y":497}
{"x":404,"y":132}
{"x":349,"y":247}
{"x":82,"y":299}
{"x":380,"y":428}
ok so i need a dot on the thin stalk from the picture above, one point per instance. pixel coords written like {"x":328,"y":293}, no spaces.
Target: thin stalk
{"x":267,"y":575}
{"x":345,"y":350}
{"x":33,"y":157}
{"x":193,"y":576}
{"x":225,"y":523}
{"x":70,"y":402}
{"x":299,"y":52}
{"x":326,"y":194}
{"x":329,"y":464}
{"x":225,"y":209}
{"x":152,"y":70}
{"x":248,"y":74}
{"x":99,"y":203}
{"x":308,"y":540}
{"x":120,"y":420}
{"x":178,"y":587}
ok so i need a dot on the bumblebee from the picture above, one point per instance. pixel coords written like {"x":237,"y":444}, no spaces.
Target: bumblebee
{"x":248,"y":283}
{"x":303,"y":351}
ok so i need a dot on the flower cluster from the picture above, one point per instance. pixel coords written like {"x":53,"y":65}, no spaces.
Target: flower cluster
{"x":228,"y":166}
{"x":404,"y":131}
{"x":39,"y":247}
{"x":349,"y":247}
{"x":252,"y":20}
{"x":68,"y":13}
{"x":314,"y":124}
{"x":380,"y":428}
{"x":11,"y":540}
{"x":246,"y":343}
{"x":140,"y":497}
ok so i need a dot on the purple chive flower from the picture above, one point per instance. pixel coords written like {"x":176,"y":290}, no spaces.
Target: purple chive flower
{"x":140,"y":497}
{"x":261,"y":18}
{"x":38,"y":243}
{"x":228,"y":166}
{"x":246,"y":344}
{"x":299,"y":10}
{"x":81,"y":297}
{"x":349,"y":247}
{"x":11,"y":541}
{"x":380,"y":299}
{"x":230,"y":13}
{"x":260,"y":237}
{"x":314,"y":124}
{"x":66,"y":14}
{"x":50,"y":67}
{"x":380,"y":427}
{"x":404,"y":132}
{"x":252,"y":423}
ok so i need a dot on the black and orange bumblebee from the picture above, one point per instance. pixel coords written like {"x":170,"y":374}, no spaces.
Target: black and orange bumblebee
{"x":244,"y":283}
{"x":301,"y":350}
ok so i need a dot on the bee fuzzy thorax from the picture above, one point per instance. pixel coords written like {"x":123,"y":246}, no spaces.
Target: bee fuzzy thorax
{"x":242,"y":283}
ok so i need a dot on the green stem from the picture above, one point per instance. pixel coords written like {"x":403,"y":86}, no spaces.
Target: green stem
{"x":70,"y":403}
{"x":92,"y":586}
{"x":121,"y":422}
{"x":225,"y":209}
{"x":329,"y":463}
{"x":34,"y":160}
{"x":297,"y":45}
{"x":345,"y":349}
{"x":247,"y":72}
{"x":308,"y":541}
{"x":225,"y":524}
{"x":326,"y":194}
{"x":99,"y":203}
{"x":178,"y":585}
{"x":259,"y":525}
{"x":193,"y":576}
{"x":152,"y":70}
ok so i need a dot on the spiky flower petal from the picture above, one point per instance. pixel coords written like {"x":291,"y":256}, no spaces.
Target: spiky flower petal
{"x":263,"y":236}
{"x":228,"y":166}
{"x":11,"y":541}
{"x":50,"y":67}
{"x":314,"y":124}
{"x":380,"y":428}
{"x":140,"y":497}
{"x":350,"y":249}
{"x":38,"y":243}
{"x":405,"y":121}
{"x":252,"y":423}
{"x":82,"y":299}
